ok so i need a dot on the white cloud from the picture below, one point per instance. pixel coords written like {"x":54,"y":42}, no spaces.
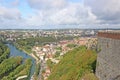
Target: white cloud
{"x":9,"y":13}
{"x":62,"y":12}
{"x":57,"y":12}
{"x":108,"y":11}
{"x":47,"y":4}
{"x":74,"y":14}
{"x":9,"y":17}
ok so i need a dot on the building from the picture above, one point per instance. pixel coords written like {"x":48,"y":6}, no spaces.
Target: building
{"x":108,"y":60}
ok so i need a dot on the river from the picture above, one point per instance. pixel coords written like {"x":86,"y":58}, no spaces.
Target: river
{"x":15,"y":52}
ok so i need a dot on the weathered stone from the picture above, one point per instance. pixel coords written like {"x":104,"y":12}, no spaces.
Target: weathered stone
{"x":108,"y":61}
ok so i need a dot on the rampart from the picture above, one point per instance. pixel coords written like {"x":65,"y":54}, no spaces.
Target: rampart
{"x":108,"y":60}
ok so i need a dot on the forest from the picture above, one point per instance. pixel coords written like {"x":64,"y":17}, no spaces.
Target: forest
{"x":13,"y":67}
{"x":27,"y":44}
{"x":77,"y":64}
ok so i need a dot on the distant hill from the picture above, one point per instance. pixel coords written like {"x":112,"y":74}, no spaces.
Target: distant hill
{"x":77,"y":64}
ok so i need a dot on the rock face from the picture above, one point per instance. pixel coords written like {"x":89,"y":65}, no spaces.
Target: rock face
{"x":108,"y":60}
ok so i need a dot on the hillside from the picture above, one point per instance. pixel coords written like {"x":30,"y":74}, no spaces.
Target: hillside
{"x":76,"y":64}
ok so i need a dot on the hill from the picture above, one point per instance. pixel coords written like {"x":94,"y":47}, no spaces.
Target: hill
{"x":76,"y":64}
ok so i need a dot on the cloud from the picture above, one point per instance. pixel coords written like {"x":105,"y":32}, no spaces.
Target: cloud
{"x":9,"y":13}
{"x":108,"y":11}
{"x":15,"y":3}
{"x":9,"y":17}
{"x":60,"y":12}
{"x":74,"y":14}
{"x":47,"y":4}
{"x":49,"y":12}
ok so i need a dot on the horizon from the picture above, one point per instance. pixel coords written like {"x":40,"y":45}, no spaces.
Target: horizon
{"x":67,"y":29}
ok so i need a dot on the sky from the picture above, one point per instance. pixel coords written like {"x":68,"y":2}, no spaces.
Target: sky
{"x":52,"y":14}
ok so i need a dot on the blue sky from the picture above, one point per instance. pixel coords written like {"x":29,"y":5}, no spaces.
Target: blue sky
{"x":45,"y":13}
{"x":24,"y":7}
{"x":21,"y":5}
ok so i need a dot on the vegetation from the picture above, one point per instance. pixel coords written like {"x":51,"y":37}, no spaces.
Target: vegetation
{"x":59,"y":48}
{"x":58,"y":51}
{"x":76,"y":64}
{"x":27,"y":69}
{"x":71,"y":45}
{"x":50,"y":64}
{"x":27,"y":44}
{"x":4,"y":52}
{"x":13,"y":67}
{"x":57,"y":54}
{"x":21,"y":70}
{"x":9,"y":64}
{"x":37,"y":70}
{"x":89,"y":76}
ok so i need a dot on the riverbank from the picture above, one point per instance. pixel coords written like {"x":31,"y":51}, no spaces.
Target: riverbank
{"x":14,"y":51}
{"x":30,"y":54}
{"x":37,"y":61}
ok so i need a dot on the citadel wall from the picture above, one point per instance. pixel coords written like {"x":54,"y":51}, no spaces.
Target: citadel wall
{"x":108,"y":60}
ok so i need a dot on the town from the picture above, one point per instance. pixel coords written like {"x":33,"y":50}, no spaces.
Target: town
{"x":50,"y":53}
{"x":48,"y":47}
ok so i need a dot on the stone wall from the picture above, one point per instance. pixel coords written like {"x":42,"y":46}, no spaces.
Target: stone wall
{"x":108,"y":60}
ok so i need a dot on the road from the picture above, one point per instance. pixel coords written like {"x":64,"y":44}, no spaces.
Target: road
{"x":43,"y":65}
{"x":21,"y":77}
